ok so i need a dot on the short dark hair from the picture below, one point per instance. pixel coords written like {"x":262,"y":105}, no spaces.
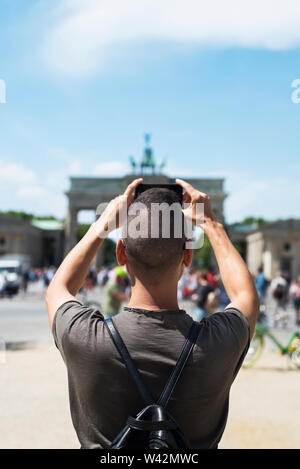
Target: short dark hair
{"x":149,"y":255}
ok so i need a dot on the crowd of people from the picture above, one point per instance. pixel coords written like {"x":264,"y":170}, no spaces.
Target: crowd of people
{"x":285,"y":292}
{"x":203,"y":287}
{"x":13,"y":282}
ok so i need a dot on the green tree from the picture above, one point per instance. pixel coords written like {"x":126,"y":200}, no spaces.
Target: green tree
{"x":29,"y":216}
{"x":46,"y":217}
{"x":81,"y":230}
{"x":19,"y":214}
{"x":108,"y":246}
{"x":202,"y":257}
{"x":252,"y":221}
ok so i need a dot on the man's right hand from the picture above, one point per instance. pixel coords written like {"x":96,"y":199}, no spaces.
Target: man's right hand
{"x":191,"y":198}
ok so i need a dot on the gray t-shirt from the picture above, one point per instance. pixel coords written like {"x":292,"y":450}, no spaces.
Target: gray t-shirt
{"x":102,"y":393}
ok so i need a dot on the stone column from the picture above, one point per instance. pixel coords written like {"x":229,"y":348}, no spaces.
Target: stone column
{"x":71,"y":229}
{"x":296,"y":266}
{"x":58,"y":253}
{"x":98,"y":260}
{"x":9,"y":243}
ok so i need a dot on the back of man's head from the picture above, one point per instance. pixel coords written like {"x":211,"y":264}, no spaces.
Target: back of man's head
{"x":155,"y":233}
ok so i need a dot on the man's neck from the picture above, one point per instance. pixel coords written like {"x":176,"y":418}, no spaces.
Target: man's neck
{"x":154,"y":297}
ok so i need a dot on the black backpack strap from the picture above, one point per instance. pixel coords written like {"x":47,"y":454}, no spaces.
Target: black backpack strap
{"x":122,"y":349}
{"x":187,"y":348}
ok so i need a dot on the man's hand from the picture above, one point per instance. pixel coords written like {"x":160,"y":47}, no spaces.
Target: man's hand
{"x":115,"y":213}
{"x":191,"y":198}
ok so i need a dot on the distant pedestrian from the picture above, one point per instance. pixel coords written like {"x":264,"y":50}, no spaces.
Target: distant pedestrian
{"x":212,"y":278}
{"x":102,"y":277}
{"x":115,"y":292}
{"x":90,"y":280}
{"x":183,"y":286}
{"x":294,"y":297}
{"x":279,"y":287}
{"x":46,"y":279}
{"x":223,"y":298}
{"x":2,"y":285}
{"x":24,"y":280}
{"x":261,"y":285}
{"x":205,"y":296}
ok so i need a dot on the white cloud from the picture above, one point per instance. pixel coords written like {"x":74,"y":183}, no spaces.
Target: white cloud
{"x":31,"y":192}
{"x":77,"y":43}
{"x":251,"y":194}
{"x":271,"y":198}
{"x":22,"y":189}
{"x":111,"y":168}
{"x":15,"y":173}
{"x":75,"y":168}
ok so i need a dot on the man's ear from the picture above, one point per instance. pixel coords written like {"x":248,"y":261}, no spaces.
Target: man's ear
{"x":121,"y":253}
{"x":187,"y":257}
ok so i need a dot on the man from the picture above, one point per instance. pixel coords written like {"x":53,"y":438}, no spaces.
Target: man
{"x":205,"y":297}
{"x":2,"y":284}
{"x":279,"y":289}
{"x":102,"y":394}
{"x":294,"y":297}
{"x":115,"y":292}
{"x":261,"y":284}
{"x":212,"y":278}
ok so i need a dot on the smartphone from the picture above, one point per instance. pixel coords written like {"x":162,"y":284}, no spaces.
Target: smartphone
{"x":172,"y":186}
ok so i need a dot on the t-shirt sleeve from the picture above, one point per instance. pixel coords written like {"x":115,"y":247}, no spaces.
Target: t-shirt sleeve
{"x":74,"y":325}
{"x":229,"y":333}
{"x":240,"y":330}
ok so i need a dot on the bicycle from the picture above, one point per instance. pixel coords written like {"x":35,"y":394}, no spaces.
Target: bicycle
{"x":292,"y":349}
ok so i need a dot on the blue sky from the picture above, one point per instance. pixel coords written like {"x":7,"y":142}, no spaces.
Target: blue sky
{"x":86,"y":79}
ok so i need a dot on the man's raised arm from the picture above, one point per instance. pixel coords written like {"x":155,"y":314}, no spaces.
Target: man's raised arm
{"x":71,"y":274}
{"x":235,"y":276}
